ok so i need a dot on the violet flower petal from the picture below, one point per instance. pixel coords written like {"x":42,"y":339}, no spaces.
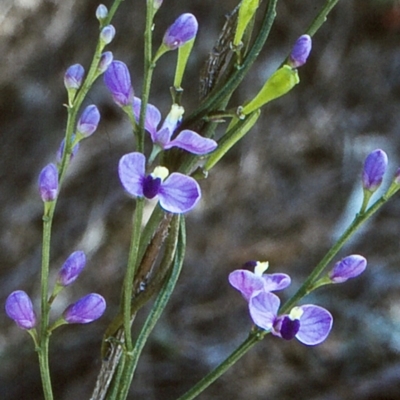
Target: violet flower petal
{"x":152,"y":119}
{"x":74,"y":76}
{"x":246,"y":282}
{"x":348,"y":267}
{"x":192,"y":142}
{"x":20,"y":309}
{"x":374,"y":169}
{"x":276,"y":281}
{"x":71,"y":269}
{"x":161,"y":137}
{"x":131,"y":171}
{"x":181,"y":31}
{"x":88,"y":121}
{"x":179,"y":193}
{"x":300,"y":52}
{"x":85,"y":310}
{"x":118,"y":82}
{"x":105,"y":61}
{"x":60,"y":150}
{"x":315,"y":324}
{"x":263,"y":309}
{"x":48,"y":183}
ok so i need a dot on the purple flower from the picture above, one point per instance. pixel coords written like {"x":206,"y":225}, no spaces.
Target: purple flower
{"x":177,"y":194}
{"x":19,"y":308}
{"x":310,"y":324}
{"x":71,"y":269}
{"x":85,"y":310}
{"x":107,"y":34}
{"x":348,"y":267}
{"x":48,"y":183}
{"x":101,"y":12}
{"x":118,"y":82}
{"x":181,"y":31}
{"x":396,"y":179}
{"x":60,"y":151}
{"x":105,"y":61}
{"x":74,"y":76}
{"x":88,"y":121}
{"x":187,"y":140}
{"x":374,"y":169}
{"x":251,"y":283}
{"x":300,"y":52}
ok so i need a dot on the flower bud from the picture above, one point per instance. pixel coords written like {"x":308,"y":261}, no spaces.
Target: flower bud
{"x":88,"y":121}
{"x":105,"y":61}
{"x":107,"y":34}
{"x":74,"y":76}
{"x":118,"y":82}
{"x":60,"y":151}
{"x":300,"y":52}
{"x":85,"y":310}
{"x":397,"y":177}
{"x":348,"y":267}
{"x":19,"y":308}
{"x":71,"y":269}
{"x":101,"y":12}
{"x":48,"y":183}
{"x":181,"y":31}
{"x":374,"y":170}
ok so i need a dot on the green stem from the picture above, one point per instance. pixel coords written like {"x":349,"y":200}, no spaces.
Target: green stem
{"x":348,"y":233}
{"x":43,"y":349}
{"x":321,"y":17}
{"x":175,"y":243}
{"x":252,"y":339}
{"x":111,"y":12}
{"x":149,"y":66}
{"x":130,"y":272}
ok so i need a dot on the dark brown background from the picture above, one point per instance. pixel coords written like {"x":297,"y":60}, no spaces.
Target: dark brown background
{"x":282,"y":195}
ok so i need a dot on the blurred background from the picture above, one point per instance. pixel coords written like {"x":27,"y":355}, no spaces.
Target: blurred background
{"x":284,"y":194}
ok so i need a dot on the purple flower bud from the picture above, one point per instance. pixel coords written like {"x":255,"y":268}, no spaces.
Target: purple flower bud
{"x":300,"y":52}
{"x":181,"y":31}
{"x":74,"y":76}
{"x":61,"y":149}
{"x":101,"y":12}
{"x":105,"y":61}
{"x":107,"y":34}
{"x":118,"y":82}
{"x":85,"y":310}
{"x":71,"y":269}
{"x":19,"y":308}
{"x":374,"y":170}
{"x":48,"y":183}
{"x":88,"y":121}
{"x":349,"y":267}
{"x":397,"y":177}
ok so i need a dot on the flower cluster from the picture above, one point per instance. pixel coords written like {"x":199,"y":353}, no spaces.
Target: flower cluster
{"x":19,"y":306}
{"x":309,"y":323}
{"x":177,"y":193}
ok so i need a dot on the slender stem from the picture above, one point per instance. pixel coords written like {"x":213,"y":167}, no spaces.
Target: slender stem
{"x":252,"y":339}
{"x":321,"y":17}
{"x":148,"y":73}
{"x":348,"y":233}
{"x":43,"y":349}
{"x":112,"y":11}
{"x":132,"y":358}
{"x":130,"y":272}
